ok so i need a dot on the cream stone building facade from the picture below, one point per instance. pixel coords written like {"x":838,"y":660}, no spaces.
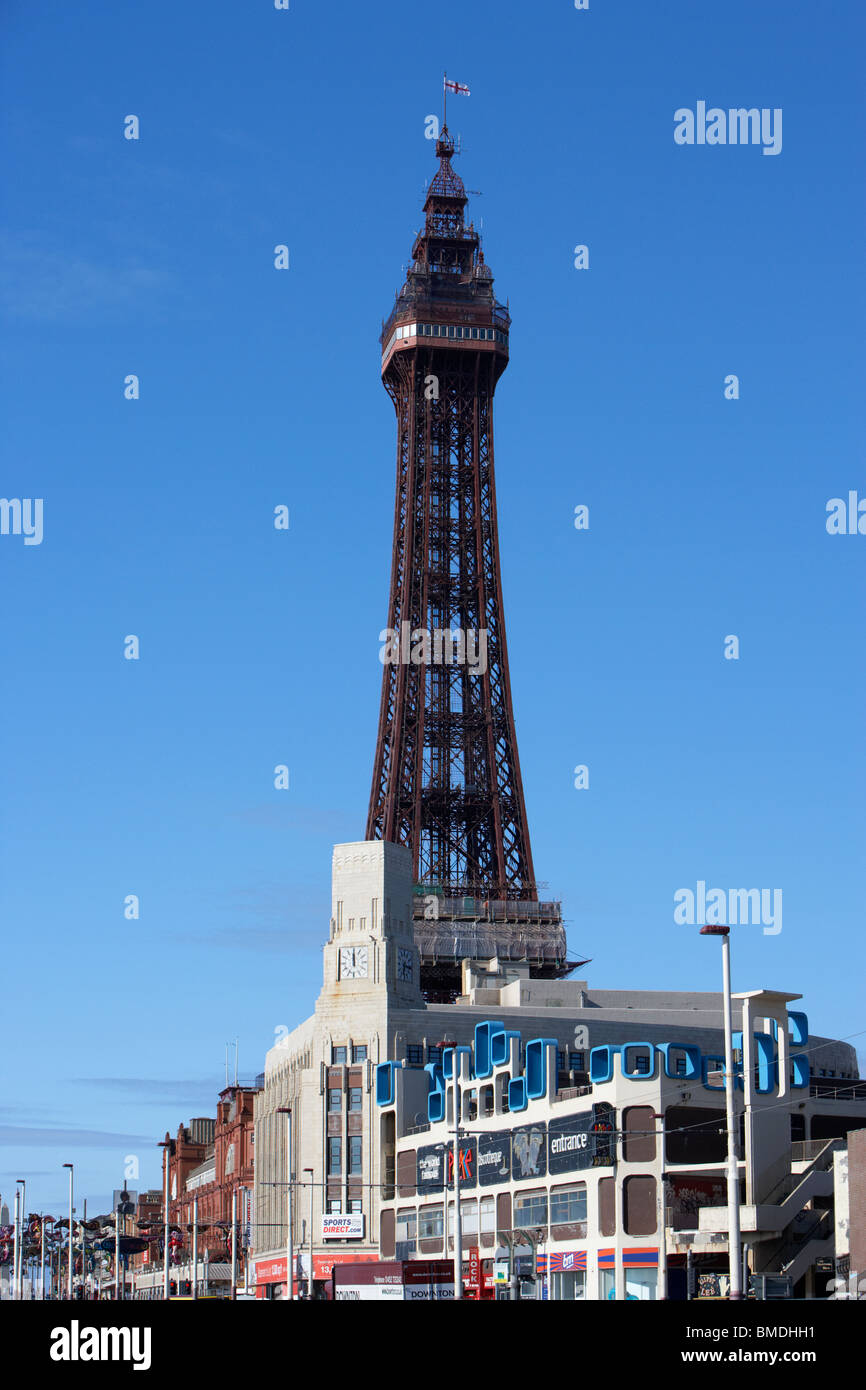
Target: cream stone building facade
{"x":371,"y":1010}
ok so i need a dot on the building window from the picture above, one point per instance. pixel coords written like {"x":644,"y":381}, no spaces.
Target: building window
{"x":488,"y":1215}
{"x":359,"y":1052}
{"x":334,"y":1206}
{"x":560,"y":1061}
{"x":407,"y":1224}
{"x":568,"y":1204}
{"x":415,"y":1054}
{"x":576,"y":1061}
{"x":681,"y":1066}
{"x":335,"y":1155}
{"x":642,"y":1062}
{"x":354,"y":1207}
{"x":431,"y":1223}
{"x":530,"y":1208}
{"x":356,"y":1097}
{"x":338,"y":1056}
{"x":639,"y":1215}
{"x":434,"y":1054}
{"x":639,"y":1134}
{"x":468,"y":1218}
{"x":355,"y":1150}
{"x":641,"y":1284}
{"x":567,"y":1287}
{"x":502,"y":1083}
{"x":335,"y":1100}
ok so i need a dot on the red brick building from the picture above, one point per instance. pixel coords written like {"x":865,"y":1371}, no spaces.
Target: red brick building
{"x":206,"y":1166}
{"x":208,"y":1160}
{"x":225,"y":1167}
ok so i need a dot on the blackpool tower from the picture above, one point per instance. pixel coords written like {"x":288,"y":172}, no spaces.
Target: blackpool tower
{"x":446,"y":780}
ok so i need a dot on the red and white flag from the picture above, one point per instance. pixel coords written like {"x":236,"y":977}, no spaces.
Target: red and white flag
{"x":457,"y":87}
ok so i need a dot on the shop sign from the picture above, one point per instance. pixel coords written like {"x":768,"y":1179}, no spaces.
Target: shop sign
{"x":529,"y":1152}
{"x":430,"y":1168}
{"x":348,"y":1227}
{"x":494,"y":1158}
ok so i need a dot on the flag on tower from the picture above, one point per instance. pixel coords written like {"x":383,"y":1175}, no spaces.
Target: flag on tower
{"x":457,"y":87}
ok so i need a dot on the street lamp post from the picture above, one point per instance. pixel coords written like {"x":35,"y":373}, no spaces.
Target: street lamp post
{"x":663,"y":1230}
{"x":21,"y":1261}
{"x":310,"y":1278}
{"x":71,"y":1168}
{"x":733,"y":1171}
{"x":458,"y":1224}
{"x":195,"y":1247}
{"x":165,"y":1145}
{"x":117,"y":1253}
{"x":290,"y":1274}
{"x":16,"y":1245}
{"x":84,"y":1252}
{"x":234,"y":1243}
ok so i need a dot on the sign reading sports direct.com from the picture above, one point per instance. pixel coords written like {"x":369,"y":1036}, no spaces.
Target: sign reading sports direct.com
{"x":350,"y":1227}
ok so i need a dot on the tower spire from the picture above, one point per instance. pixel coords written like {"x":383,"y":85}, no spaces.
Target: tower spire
{"x":446,"y":779}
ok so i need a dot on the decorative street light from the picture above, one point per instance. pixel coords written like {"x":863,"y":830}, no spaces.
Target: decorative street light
{"x":71,"y":1167}
{"x":733,"y":1171}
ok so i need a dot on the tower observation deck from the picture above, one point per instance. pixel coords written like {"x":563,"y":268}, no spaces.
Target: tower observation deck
{"x":446,"y":779}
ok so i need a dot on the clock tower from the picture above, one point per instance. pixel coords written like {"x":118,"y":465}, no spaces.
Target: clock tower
{"x":371,"y":951}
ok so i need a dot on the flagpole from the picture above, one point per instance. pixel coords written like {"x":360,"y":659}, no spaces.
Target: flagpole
{"x":444,"y":101}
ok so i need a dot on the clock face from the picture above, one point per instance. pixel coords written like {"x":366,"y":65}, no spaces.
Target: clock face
{"x":404,"y":964}
{"x":353,"y":962}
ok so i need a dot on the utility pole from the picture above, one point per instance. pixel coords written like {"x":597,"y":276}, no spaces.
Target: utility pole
{"x":195,"y":1247}
{"x":733,"y":1170}
{"x":290,"y":1273}
{"x":310,"y":1279}
{"x":662,"y":1225}
{"x":23,"y":1182}
{"x":234,"y":1243}
{"x":16,"y":1245}
{"x":165,"y":1145}
{"x":71,"y":1168}
{"x":458,"y":1224}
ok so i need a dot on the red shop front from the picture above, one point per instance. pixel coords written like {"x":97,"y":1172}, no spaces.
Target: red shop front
{"x":271,"y":1271}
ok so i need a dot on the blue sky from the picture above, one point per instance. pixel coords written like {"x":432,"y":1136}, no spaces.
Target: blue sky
{"x":259,"y":388}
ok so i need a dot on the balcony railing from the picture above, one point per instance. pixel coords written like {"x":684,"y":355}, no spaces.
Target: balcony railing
{"x":832,"y":1088}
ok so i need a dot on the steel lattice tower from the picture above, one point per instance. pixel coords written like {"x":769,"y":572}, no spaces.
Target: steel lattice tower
{"x":446,"y":780}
